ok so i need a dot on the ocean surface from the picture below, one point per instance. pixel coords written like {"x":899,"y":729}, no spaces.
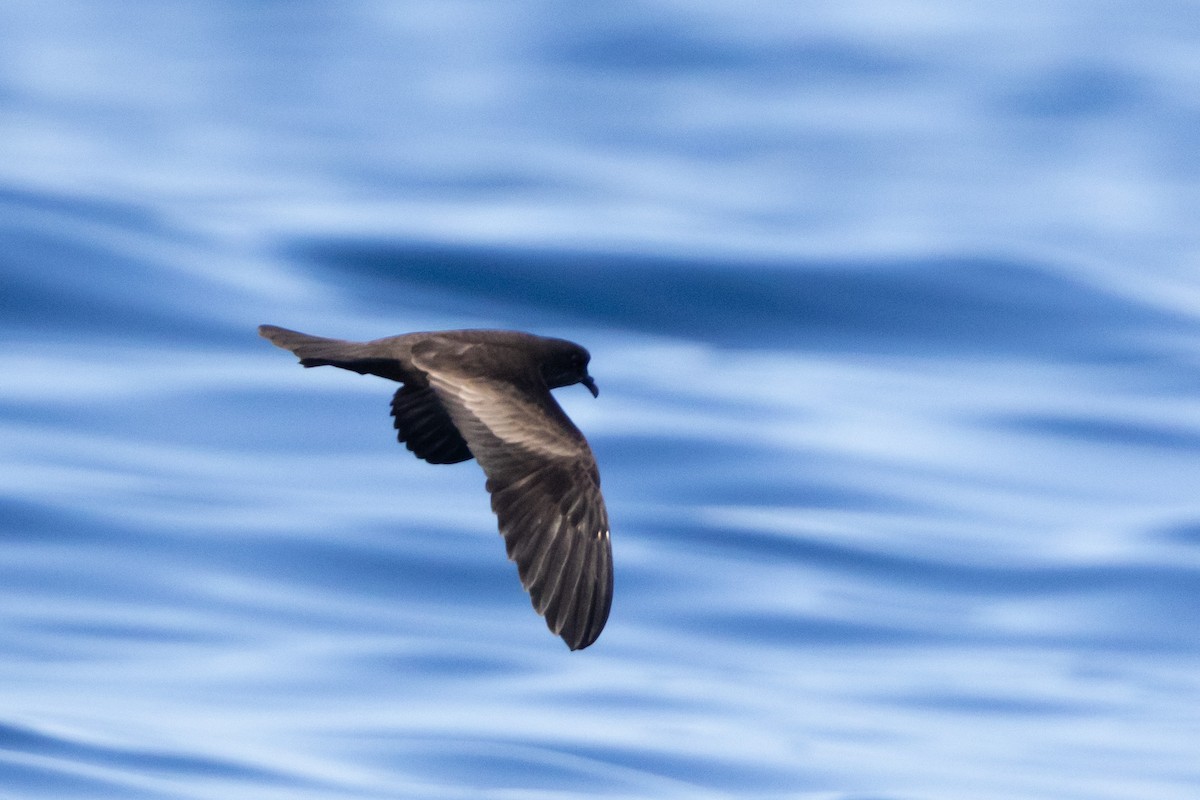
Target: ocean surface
{"x":895,"y":313}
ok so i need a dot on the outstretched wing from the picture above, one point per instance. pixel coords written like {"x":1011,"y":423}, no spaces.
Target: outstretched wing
{"x":421,"y":422}
{"x":425,"y":427}
{"x":543,"y":480}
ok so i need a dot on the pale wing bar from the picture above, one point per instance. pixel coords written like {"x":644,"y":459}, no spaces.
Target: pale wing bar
{"x":546,"y":495}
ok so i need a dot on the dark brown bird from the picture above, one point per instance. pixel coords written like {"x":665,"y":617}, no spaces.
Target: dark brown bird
{"x":486,"y":395}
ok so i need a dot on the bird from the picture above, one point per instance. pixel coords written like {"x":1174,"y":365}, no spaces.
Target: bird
{"x":485,"y":394}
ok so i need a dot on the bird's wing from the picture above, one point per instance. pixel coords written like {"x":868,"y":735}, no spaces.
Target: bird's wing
{"x":421,"y":422}
{"x":543,"y":480}
{"x":425,"y":427}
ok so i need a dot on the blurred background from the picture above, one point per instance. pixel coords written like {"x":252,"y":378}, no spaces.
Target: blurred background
{"x":892,"y":306}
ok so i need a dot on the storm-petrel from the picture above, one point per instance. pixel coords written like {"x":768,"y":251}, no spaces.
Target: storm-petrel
{"x":486,"y":395}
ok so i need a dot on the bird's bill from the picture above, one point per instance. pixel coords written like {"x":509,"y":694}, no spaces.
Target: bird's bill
{"x":591,"y":385}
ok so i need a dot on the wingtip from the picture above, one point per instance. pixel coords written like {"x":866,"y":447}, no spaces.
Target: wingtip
{"x":576,"y":644}
{"x":580,"y":640}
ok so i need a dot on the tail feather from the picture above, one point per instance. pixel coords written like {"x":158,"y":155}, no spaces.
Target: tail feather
{"x":364,"y":358}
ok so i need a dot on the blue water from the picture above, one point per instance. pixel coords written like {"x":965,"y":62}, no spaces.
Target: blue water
{"x":894,"y":312}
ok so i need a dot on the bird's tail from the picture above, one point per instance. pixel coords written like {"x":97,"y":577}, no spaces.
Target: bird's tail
{"x":317,"y":351}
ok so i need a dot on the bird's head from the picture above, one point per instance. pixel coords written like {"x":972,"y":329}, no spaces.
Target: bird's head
{"x":565,"y":364}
